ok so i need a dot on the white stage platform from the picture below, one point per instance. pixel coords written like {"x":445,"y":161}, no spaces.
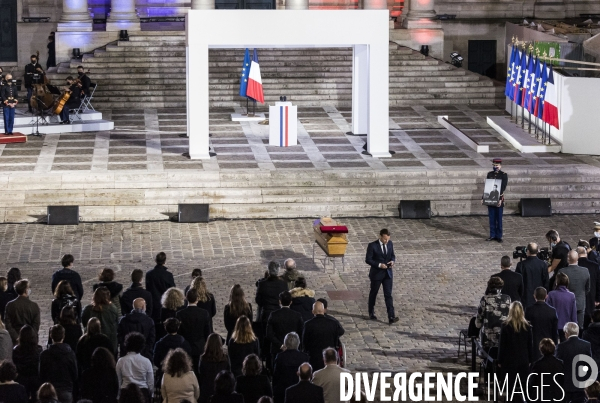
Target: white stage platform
{"x":443,"y":120}
{"x":238,"y":117}
{"x":90,"y":122}
{"x":519,"y":138}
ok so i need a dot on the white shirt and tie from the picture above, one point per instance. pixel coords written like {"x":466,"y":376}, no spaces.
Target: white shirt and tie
{"x":384,"y":250}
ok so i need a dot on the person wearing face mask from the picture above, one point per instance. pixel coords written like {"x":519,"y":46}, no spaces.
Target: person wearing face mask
{"x":8,"y":97}
{"x":21,"y":311}
{"x":30,"y":70}
{"x":85,"y":81}
{"x":73,"y":101}
{"x":595,"y":241}
{"x":560,"y":252}
{"x":495,"y":212}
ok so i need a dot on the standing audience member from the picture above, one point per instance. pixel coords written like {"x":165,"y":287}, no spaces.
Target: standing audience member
{"x":195,"y":273}
{"x":58,"y":365}
{"x":158,"y":280}
{"x":567,"y":351}
{"x":592,"y":335}
{"x":212,"y":362}
{"x":329,"y":377}
{"x":243,"y":342}
{"x":132,"y":394}
{"x":5,"y":296}
{"x":169,"y":342}
{"x":304,"y":391}
{"x":291,"y":273}
{"x":236,"y":307}
{"x":281,"y":322}
{"x":134,"y":368}
{"x":515,"y":351}
{"x":89,"y":342}
{"x":224,"y":386}
{"x":73,"y":331}
{"x":492,"y":311}
{"x":106,"y":312}
{"x":6,"y":344}
{"x":302,"y":299}
{"x":47,"y":394}
{"x":172,"y":301}
{"x":11,"y":391}
{"x":534,"y":272}
{"x":252,"y":385}
{"x":286,"y":366}
{"x":513,"y":282}
{"x":319,"y":333}
{"x":12,"y":276}
{"x":324,"y":302}
{"x":67,"y":273}
{"x":26,"y":356}
{"x":564,"y":302}
{"x":579,"y":284}
{"x":543,"y":320}
{"x":267,"y":298}
{"x":560,"y":250}
{"x":179,"y":381}
{"x":206,"y":300}
{"x":195,"y":326}
{"x":137,"y":321}
{"x":99,"y":383}
{"x":136,"y":290}
{"x":21,"y":311}
{"x":65,"y":297}
{"x":552,"y":368}
{"x":592,"y":392}
{"x":107,"y":279}
{"x":265,"y":399}
{"x":592,"y":298}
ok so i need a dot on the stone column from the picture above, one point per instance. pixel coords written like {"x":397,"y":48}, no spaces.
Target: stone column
{"x":203,"y":4}
{"x":421,"y":14}
{"x":123,"y":16}
{"x":75,"y":16}
{"x":296,"y":4}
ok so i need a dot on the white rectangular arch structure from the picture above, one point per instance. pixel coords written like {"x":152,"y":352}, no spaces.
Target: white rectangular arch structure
{"x":366,"y":31}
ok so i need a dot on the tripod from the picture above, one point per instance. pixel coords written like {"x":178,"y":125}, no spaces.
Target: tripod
{"x":40,"y":116}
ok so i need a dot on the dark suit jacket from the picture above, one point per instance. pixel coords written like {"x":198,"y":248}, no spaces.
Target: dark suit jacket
{"x":544,"y":323}
{"x":21,"y":311}
{"x":195,"y":327}
{"x":594,"y":294}
{"x":592,"y":334}
{"x":267,"y":296}
{"x":137,"y":322}
{"x":513,"y":284}
{"x":134,"y":291}
{"x":72,"y":277}
{"x":319,"y":333}
{"x":515,"y":348}
{"x":375,"y":257}
{"x":566,"y":351}
{"x":253,"y":387}
{"x":158,"y":280}
{"x":304,"y":392}
{"x":285,"y":373}
{"x":535,"y":274}
{"x":282,"y":322}
{"x":547,"y":365}
{"x":579,"y":284}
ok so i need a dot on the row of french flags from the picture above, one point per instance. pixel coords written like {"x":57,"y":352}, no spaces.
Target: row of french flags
{"x":530,"y":84}
{"x":250,"y":81}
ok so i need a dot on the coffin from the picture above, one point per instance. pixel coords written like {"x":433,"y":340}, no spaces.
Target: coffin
{"x":331,"y":236}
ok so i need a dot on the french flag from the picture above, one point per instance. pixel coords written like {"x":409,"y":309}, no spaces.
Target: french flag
{"x":255,"y":89}
{"x":550,"y":114}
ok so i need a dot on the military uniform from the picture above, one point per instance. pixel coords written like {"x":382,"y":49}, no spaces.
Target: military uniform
{"x":495,"y":212}
{"x":8,"y":95}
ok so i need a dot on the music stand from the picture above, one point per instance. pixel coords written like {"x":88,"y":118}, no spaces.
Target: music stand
{"x":41,"y":116}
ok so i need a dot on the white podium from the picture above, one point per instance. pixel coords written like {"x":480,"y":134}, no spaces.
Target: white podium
{"x":283,"y":124}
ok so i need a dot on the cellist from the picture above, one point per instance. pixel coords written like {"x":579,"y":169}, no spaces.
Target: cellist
{"x":73,"y":101}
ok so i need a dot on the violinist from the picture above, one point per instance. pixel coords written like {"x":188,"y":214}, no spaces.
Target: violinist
{"x":73,"y":102}
{"x":31,"y":70}
{"x":85,"y":81}
{"x":9,"y":99}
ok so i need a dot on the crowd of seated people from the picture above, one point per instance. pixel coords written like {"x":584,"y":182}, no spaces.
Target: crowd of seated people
{"x":538,"y":318}
{"x":153,"y":342}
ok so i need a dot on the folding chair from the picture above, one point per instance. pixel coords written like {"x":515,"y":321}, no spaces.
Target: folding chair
{"x":87,"y":101}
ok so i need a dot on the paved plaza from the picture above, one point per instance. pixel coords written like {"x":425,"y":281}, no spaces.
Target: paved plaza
{"x":443,"y":265}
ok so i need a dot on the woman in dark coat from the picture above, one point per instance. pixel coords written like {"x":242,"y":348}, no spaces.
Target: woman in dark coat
{"x":243,"y":343}
{"x":5,"y":296}
{"x":515,"y":350}
{"x":107,"y":279}
{"x":26,"y":356}
{"x":213,"y":361}
{"x":171,"y":302}
{"x":10,"y":391}
{"x":73,"y":331}
{"x":103,"y":309}
{"x":302,"y":299}
{"x":89,"y":342}
{"x":252,"y":385}
{"x":236,"y":307}
{"x":99,"y":383}
{"x":224,"y":386}
{"x":206,"y":300}
{"x":65,"y":297}
{"x":551,"y":368}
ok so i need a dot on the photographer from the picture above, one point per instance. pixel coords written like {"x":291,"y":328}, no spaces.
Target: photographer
{"x":560,"y":250}
{"x":534,"y":272}
{"x":9,"y":99}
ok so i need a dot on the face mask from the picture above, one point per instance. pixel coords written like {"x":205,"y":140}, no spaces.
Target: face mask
{"x":28,"y":292}
{"x":496,"y":169}
{"x":597,"y":234}
{"x":552,"y":244}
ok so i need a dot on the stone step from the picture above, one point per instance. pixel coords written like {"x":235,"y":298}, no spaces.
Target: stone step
{"x":141,"y":44}
{"x":148,"y":49}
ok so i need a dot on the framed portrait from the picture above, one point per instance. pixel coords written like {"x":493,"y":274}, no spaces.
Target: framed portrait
{"x":491,"y":192}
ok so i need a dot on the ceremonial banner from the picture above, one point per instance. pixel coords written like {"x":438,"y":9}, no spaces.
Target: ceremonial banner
{"x":550,"y":114}
{"x":244,"y":76}
{"x":510,"y":75}
{"x":255,"y":89}
{"x":539,"y":105}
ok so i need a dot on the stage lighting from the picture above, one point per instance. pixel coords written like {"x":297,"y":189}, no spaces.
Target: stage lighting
{"x":457,"y":59}
{"x":77,"y":53}
{"x":123,"y":35}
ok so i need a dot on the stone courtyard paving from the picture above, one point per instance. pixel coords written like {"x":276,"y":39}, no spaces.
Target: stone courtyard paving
{"x":443,"y":265}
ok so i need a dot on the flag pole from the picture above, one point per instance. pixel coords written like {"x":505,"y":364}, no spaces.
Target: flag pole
{"x":247,"y":106}
{"x":537,"y":136}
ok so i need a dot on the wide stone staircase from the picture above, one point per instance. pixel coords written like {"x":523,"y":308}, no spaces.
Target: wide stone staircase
{"x":148,"y":71}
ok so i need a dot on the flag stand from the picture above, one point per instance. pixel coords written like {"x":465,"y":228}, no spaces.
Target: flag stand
{"x":537,"y":136}
{"x":522,"y":118}
{"x":247,"y":114}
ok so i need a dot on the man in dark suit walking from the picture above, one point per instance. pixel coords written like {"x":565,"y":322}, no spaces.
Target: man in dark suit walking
{"x":592,"y":298}
{"x":567,"y":351}
{"x":534,"y":272}
{"x":195,"y":326}
{"x":543,"y":320}
{"x":381,"y":258}
{"x":513,"y":282}
{"x":281,"y":322}
{"x":304,"y":391}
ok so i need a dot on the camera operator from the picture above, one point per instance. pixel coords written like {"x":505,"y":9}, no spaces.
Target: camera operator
{"x":534,"y":272}
{"x":560,"y":251}
{"x":592,"y":298}
{"x":31,"y":70}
